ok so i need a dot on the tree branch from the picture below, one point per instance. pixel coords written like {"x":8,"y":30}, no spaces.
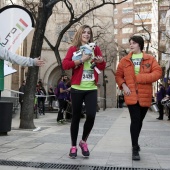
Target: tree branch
{"x":48,"y":42}
{"x":52,"y":3}
{"x":11,"y":2}
{"x":70,"y":8}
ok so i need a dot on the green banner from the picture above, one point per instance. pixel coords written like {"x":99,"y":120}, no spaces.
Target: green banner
{"x":1,"y":75}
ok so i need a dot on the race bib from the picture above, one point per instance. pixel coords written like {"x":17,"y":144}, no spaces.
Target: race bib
{"x":88,"y":75}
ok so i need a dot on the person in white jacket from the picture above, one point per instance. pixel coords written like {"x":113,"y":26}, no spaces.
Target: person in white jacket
{"x":17,"y":59}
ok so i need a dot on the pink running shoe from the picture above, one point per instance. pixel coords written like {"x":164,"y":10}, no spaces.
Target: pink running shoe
{"x":73,"y":152}
{"x":84,"y":149}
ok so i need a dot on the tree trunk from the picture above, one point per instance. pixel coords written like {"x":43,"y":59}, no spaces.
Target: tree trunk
{"x":31,"y":81}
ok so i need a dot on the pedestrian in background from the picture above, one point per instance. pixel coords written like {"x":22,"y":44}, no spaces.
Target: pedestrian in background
{"x":121,"y":100}
{"x":83,"y":87}
{"x":51,"y":98}
{"x":134,"y":75}
{"x":159,"y":96}
{"x":168,"y":95}
{"x":41,"y":92}
{"x":21,"y":95}
{"x":62,"y":96}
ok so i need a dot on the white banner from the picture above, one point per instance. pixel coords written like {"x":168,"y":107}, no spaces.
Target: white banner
{"x":16,"y":24}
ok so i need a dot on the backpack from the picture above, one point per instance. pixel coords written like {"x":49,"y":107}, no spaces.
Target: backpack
{"x":57,"y":92}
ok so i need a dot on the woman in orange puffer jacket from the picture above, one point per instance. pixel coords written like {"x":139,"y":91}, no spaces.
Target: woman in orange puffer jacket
{"x":135,"y":74}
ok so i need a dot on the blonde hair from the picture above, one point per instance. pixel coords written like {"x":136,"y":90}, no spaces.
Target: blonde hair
{"x":78,"y":36}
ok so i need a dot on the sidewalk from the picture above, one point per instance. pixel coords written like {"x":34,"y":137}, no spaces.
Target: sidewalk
{"x":109,"y":143}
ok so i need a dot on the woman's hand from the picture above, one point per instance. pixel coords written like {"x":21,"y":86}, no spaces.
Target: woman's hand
{"x":39,"y":62}
{"x":68,"y":89}
{"x":98,"y":59}
{"x":126,"y":89}
{"x":85,"y":57}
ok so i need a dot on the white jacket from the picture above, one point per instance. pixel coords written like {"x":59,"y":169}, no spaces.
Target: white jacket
{"x":16,"y":59}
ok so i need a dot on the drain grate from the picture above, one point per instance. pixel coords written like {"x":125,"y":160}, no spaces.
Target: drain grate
{"x":66,"y":166}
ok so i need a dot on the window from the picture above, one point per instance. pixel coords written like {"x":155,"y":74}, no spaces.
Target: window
{"x":139,"y":29}
{"x":143,"y":16}
{"x":127,"y":20}
{"x":127,"y":10}
{"x":144,"y":8}
{"x":164,"y":2}
{"x":144,"y":1}
{"x":146,"y":36}
{"x":115,"y":11}
{"x":125,"y":41}
{"x":115,"y":21}
{"x":127,"y":30}
{"x":142,"y":29}
{"x":115,"y":31}
{"x":162,"y":17}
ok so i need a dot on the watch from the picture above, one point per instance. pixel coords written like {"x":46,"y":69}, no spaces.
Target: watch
{"x":81,"y":61}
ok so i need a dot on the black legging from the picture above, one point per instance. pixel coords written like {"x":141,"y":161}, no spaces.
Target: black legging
{"x":161,"y":108}
{"x":62,"y":107}
{"x":137,"y":114}
{"x":41,"y":103}
{"x":90,"y":99}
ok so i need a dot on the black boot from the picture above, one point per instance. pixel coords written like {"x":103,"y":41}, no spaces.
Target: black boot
{"x":138,"y":147}
{"x":135,"y":153}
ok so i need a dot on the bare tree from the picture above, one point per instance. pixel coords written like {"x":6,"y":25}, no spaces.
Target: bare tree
{"x":28,"y":105}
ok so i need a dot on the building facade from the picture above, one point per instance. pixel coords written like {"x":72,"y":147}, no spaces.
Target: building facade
{"x":136,"y":17}
{"x":164,"y":35}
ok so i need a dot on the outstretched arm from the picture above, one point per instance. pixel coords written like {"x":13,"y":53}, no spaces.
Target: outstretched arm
{"x":17,"y":59}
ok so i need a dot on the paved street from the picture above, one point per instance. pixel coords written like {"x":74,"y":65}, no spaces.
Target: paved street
{"x":109,"y":143}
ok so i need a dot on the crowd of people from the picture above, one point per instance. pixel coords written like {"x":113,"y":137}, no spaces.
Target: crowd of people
{"x":42,"y":97}
{"x":162,"y":94}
